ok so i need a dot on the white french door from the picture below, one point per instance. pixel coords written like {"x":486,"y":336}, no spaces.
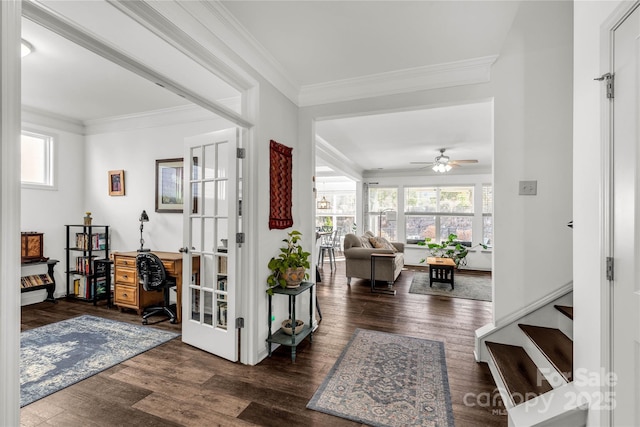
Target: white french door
{"x":213,"y":185}
{"x":626,"y":222}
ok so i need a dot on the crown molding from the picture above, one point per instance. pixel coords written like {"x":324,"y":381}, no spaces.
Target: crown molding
{"x":336,"y":159}
{"x":34,"y":116}
{"x":230,"y":32}
{"x":471,"y":71}
{"x":149,"y":119}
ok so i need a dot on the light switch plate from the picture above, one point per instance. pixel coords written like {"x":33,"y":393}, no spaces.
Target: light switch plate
{"x":528,"y":188}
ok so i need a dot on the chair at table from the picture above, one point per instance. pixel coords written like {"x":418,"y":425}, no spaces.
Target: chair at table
{"x":153,"y":276}
{"x":329,"y":244}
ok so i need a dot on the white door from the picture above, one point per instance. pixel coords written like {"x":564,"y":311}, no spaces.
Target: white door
{"x":211,"y":221}
{"x":626,"y":222}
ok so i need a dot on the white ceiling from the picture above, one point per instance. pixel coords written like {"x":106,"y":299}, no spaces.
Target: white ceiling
{"x":323,"y":41}
{"x":63,"y":78}
{"x":390,"y":142}
{"x":315,"y":43}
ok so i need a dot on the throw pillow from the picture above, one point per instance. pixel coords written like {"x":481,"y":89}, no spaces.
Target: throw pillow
{"x":365,"y":243}
{"x":382,"y":243}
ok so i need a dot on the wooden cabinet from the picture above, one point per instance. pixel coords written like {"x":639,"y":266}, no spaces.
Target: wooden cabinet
{"x":127,"y":293}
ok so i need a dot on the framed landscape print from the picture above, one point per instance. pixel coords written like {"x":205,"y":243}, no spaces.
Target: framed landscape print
{"x":170,"y":185}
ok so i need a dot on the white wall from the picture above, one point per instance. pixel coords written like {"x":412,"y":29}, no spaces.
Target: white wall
{"x":47,"y":211}
{"x":590,"y":337}
{"x":531,"y":85}
{"x":278,"y":118}
{"x":136,"y":151}
{"x":532,"y":81}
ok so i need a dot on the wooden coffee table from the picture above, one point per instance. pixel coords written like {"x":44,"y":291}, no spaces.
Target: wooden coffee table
{"x":441,"y":270}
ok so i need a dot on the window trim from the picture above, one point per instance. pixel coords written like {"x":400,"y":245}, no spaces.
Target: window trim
{"x":50,"y":160}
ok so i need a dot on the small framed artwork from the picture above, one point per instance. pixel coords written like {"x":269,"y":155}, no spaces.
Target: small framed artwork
{"x":170,"y":185}
{"x":116,"y":183}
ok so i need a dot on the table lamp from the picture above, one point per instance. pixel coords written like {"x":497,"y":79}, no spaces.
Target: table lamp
{"x":143,"y":218}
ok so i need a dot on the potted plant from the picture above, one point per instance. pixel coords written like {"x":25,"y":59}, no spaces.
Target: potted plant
{"x":289,"y":268}
{"x":450,"y":248}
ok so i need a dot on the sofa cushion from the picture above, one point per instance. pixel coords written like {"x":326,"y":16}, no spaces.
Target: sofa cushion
{"x":382,"y":243}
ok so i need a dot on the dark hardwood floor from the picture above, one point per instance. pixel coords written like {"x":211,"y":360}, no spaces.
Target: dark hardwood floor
{"x":176,"y":384}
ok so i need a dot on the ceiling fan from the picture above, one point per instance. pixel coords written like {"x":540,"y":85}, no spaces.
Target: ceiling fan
{"x":443,"y":163}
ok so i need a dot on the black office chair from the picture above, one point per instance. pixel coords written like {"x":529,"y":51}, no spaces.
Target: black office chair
{"x":153,"y":276}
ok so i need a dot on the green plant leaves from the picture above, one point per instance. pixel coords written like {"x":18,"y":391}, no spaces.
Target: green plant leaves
{"x":292,"y":255}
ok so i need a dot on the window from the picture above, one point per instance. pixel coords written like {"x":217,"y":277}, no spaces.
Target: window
{"x":487,"y":214}
{"x":382,"y":212}
{"x":436,"y":212}
{"x":342,"y":213}
{"x":36,"y":168}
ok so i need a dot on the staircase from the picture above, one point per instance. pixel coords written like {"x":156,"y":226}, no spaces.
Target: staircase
{"x":531,"y":360}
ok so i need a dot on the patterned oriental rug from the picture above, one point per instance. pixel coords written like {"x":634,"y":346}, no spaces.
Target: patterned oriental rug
{"x":58,"y":355}
{"x":466,"y":286}
{"x":384,"y":379}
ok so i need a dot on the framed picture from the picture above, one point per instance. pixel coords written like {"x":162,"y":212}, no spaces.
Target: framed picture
{"x":116,"y":183}
{"x":170,"y":186}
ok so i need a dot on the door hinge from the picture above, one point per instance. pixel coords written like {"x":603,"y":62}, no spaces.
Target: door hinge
{"x":609,"y":268}
{"x":239,"y":237}
{"x":609,"y":79}
{"x":241,"y":153}
{"x":239,"y":322}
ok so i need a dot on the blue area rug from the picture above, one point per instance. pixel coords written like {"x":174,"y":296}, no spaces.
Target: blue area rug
{"x":58,"y":355}
{"x":384,"y":379}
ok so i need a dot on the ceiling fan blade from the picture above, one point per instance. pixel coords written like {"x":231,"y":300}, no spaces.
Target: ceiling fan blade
{"x":421,"y":163}
{"x":463,"y":161}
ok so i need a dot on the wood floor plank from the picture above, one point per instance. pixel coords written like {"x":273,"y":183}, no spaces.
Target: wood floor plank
{"x":176,"y":384}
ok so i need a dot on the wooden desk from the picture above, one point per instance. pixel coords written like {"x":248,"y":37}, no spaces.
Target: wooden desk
{"x":441,"y":270}
{"x":128,"y":291}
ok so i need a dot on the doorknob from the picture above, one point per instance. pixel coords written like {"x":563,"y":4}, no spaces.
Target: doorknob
{"x":183,"y":250}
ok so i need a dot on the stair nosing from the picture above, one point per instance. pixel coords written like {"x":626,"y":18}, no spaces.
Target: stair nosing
{"x":561,"y":360}
{"x":511,"y":389}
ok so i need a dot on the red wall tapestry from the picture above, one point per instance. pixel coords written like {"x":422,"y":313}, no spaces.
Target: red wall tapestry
{"x":281,"y":163}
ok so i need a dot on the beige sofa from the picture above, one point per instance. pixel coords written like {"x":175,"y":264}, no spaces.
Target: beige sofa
{"x":357,"y":253}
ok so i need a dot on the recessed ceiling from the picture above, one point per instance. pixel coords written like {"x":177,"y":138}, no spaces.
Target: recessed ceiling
{"x":392,"y":141}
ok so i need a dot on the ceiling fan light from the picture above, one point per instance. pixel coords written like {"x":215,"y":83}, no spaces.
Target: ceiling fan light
{"x":441,"y":167}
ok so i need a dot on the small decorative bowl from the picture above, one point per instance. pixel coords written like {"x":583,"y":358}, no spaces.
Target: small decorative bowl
{"x":286,"y":326}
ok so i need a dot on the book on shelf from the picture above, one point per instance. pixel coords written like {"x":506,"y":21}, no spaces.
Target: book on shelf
{"x":83,"y":264}
{"x":96,"y":242}
{"x":35,"y":280}
{"x":82,"y":287}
